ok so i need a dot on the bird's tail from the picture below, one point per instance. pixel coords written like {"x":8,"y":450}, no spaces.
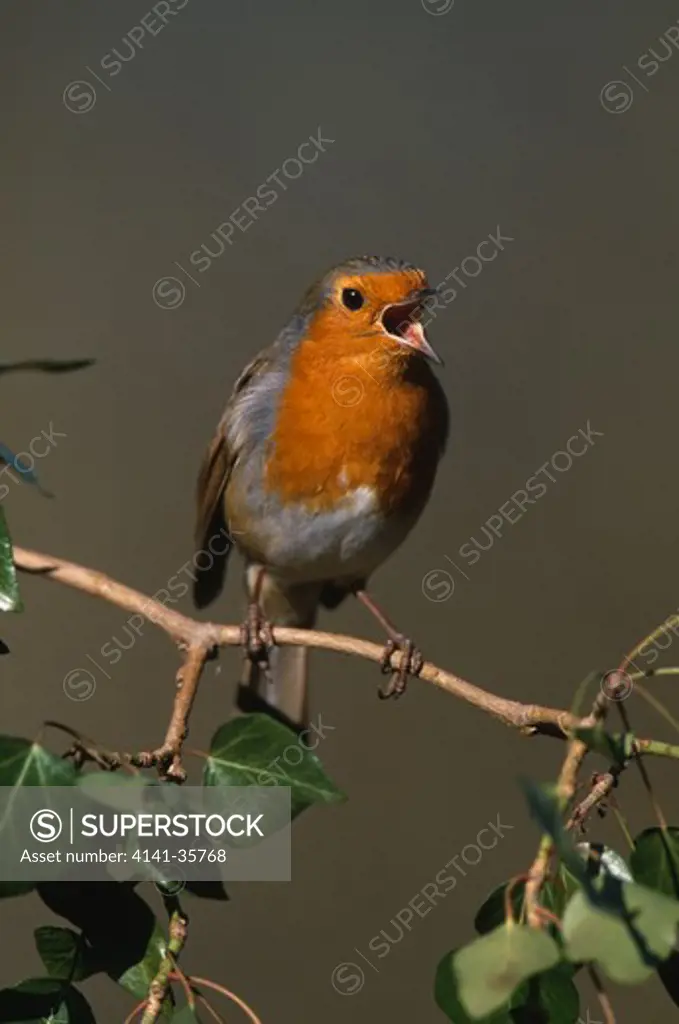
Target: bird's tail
{"x":281,"y":690}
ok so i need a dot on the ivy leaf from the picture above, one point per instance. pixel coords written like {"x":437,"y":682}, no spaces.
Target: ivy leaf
{"x":65,"y":954}
{"x":10,"y":599}
{"x":26,"y":763}
{"x":37,"y":1000}
{"x":137,"y":978}
{"x":548,"y":998}
{"x":8,"y":457}
{"x":554,"y":896}
{"x":187,"y":1016}
{"x":118,"y":926}
{"x":254,"y":750}
{"x":8,"y":889}
{"x":668,"y":972}
{"x":207,"y":889}
{"x":615,"y":747}
{"x":604,"y":860}
{"x":628,"y":948}
{"x":491,"y":968}
{"x":556,"y":995}
{"x":491,"y":913}
{"x":47,"y":365}
{"x":447,"y":996}
{"x":655,"y":863}
{"x":655,"y":860}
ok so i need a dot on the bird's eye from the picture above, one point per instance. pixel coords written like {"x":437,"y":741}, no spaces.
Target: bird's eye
{"x":352,"y":298}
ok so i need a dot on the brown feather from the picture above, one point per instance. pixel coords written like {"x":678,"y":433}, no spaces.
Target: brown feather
{"x":212,"y":479}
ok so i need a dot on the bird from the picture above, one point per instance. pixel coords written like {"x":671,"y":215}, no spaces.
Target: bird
{"x":322,"y":463}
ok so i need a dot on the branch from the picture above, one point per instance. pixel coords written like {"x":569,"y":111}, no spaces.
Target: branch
{"x":250,"y":1013}
{"x":188,"y":678}
{"x":198,"y":639}
{"x":529,"y":718}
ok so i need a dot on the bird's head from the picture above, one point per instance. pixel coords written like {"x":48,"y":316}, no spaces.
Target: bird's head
{"x":371,"y":304}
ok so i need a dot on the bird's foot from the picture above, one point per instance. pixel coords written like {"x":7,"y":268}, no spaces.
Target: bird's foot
{"x":410,"y":665}
{"x":257,"y":637}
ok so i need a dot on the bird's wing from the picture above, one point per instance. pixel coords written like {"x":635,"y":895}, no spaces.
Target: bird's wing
{"x":220,"y":456}
{"x":213,"y":478}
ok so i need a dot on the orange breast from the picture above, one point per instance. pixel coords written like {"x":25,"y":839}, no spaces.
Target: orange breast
{"x":357,"y":416}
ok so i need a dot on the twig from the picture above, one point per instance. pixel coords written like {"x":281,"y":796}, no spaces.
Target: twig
{"x":656,"y":704}
{"x":252,"y":1016}
{"x":177,"y":974}
{"x":167,"y":758}
{"x":602,"y":995}
{"x":645,"y":777}
{"x":601,"y":789}
{"x":566,"y":786}
{"x":188,"y":678}
{"x":210,"y":1009}
{"x":160,"y":985}
{"x":672,"y":621}
{"x":657,"y":747}
{"x":650,"y":673}
{"x":135,"y":1013}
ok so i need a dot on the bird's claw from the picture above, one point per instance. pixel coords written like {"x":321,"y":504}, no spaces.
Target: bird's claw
{"x":410,"y":665}
{"x":256,"y":636}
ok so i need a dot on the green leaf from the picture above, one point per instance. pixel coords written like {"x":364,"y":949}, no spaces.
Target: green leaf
{"x":117,"y":924}
{"x":10,"y":598}
{"x":7,"y":457}
{"x":8,"y":889}
{"x":137,"y":979}
{"x":491,"y":913}
{"x":615,"y":747}
{"x":668,"y":972}
{"x":208,"y":889}
{"x":22,"y":764}
{"x":554,"y":896}
{"x":187,"y":1016}
{"x":555,"y":994}
{"x":26,"y":763}
{"x":447,"y":997}
{"x":491,"y":968}
{"x":65,"y":954}
{"x":627,"y":949}
{"x":37,"y":1000}
{"x":655,"y":860}
{"x":604,"y":860}
{"x":47,"y":365}
{"x":251,"y":750}
{"x":547,"y":998}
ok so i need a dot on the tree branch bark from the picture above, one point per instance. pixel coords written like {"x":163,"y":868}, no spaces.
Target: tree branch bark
{"x":198,"y":639}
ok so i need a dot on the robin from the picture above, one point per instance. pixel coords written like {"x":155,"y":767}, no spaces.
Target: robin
{"x":322,"y":463}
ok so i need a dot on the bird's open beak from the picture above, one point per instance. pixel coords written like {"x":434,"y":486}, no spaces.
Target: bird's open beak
{"x":401,"y":322}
